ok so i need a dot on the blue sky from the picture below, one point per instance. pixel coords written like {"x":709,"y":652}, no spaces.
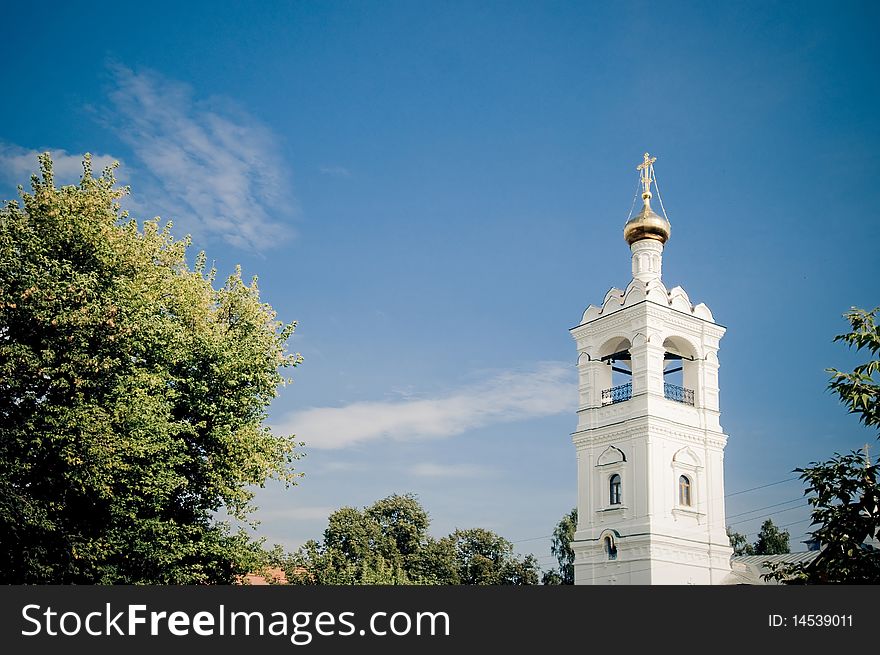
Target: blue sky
{"x":436,"y":191}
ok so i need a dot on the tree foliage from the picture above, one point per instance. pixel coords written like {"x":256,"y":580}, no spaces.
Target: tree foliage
{"x":843,"y":491}
{"x":771,"y":540}
{"x":560,"y":548}
{"x":739,"y":543}
{"x":845,"y":497}
{"x":859,"y":389}
{"x":132,"y":394}
{"x":388,"y":543}
{"x":481,"y":557}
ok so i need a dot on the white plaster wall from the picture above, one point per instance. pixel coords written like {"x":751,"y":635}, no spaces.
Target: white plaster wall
{"x":660,"y":543}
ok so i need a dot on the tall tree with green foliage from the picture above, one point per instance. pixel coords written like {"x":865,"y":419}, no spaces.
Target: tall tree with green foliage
{"x":739,"y":543}
{"x":771,"y":540}
{"x":859,"y":389}
{"x":484,"y":558}
{"x":845,"y":496}
{"x":132,"y":396}
{"x":560,"y":548}
{"x":388,"y":543}
{"x":844,"y":490}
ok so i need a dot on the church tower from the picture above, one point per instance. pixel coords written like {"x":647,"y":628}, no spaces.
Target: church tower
{"x":650,"y":447}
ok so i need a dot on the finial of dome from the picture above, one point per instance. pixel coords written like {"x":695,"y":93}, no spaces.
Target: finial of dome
{"x":647,"y":224}
{"x":647,"y":168}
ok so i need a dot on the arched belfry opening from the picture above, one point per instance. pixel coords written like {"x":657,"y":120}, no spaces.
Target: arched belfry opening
{"x":616,"y":377}
{"x":679,"y":371}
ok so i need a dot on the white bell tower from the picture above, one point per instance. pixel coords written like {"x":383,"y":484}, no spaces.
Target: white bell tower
{"x":650,"y":448}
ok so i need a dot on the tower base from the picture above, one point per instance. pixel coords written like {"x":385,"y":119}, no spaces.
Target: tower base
{"x":651,"y":560}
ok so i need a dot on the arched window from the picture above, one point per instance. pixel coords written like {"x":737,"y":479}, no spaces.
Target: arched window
{"x":610,"y":548}
{"x":614,"y":490}
{"x":684,"y":491}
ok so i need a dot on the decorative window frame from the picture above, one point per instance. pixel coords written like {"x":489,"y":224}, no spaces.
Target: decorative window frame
{"x":611,"y":462}
{"x":686,"y":463}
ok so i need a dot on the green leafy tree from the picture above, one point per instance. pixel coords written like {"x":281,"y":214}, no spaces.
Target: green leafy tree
{"x":270,"y":562}
{"x":845,"y":497}
{"x":354,"y":535}
{"x":844,"y":491}
{"x":771,"y":540}
{"x":316,"y":564}
{"x":388,"y":543}
{"x":551,"y":577}
{"x":485,"y":558}
{"x":380,"y":545}
{"x":434,"y":563}
{"x":859,"y":389}
{"x":402,"y":522}
{"x":132,"y":395}
{"x":739,"y":543}
{"x":560,"y":548}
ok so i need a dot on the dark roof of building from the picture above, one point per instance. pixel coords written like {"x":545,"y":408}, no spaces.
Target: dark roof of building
{"x":787,"y":558}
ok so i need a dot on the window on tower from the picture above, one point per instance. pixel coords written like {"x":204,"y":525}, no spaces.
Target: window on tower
{"x":684,"y":491}
{"x":610,"y":547}
{"x":614,"y":490}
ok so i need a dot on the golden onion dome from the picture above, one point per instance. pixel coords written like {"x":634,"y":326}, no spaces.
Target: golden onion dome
{"x":647,"y":224}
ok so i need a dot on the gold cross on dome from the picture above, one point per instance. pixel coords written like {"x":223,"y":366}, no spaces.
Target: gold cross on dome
{"x":645,"y":168}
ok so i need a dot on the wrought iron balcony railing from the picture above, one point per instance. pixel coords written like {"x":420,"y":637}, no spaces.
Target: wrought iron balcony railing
{"x":617,"y":394}
{"x":678,"y":394}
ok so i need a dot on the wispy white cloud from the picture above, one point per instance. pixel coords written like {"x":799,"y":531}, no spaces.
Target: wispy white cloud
{"x":215,"y":167}
{"x":335,"y":171}
{"x":208,"y":166}
{"x":510,"y":396}
{"x":17,"y":164}
{"x":433,"y":470}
